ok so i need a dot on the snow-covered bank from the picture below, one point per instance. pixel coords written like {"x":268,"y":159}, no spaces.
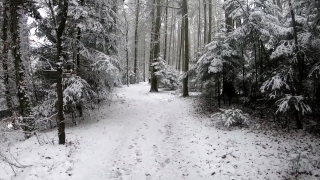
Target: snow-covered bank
{"x":144,"y":135}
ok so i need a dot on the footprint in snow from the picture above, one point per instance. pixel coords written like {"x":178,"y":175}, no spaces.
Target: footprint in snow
{"x":138,"y":153}
{"x":146,"y":125}
{"x":148,"y":176}
{"x":155,"y":147}
{"x":139,"y":160}
{"x":167,"y":161}
{"x":130,"y":147}
{"x":143,"y":137}
{"x":160,"y":131}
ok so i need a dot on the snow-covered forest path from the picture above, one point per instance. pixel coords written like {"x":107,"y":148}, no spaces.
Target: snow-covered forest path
{"x":145,"y":136}
{"x":159,"y":136}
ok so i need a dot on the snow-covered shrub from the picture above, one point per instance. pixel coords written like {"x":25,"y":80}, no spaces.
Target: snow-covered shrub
{"x":291,"y":107}
{"x":77,"y":93}
{"x":166,"y":75}
{"x":232,"y":116}
{"x":211,"y":62}
{"x":293,"y":103}
{"x":275,"y":86}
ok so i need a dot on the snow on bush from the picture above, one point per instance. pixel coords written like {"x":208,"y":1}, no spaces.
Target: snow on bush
{"x":166,"y":74}
{"x":232,"y":116}
{"x":77,"y":92}
{"x":273,"y":84}
{"x":292,"y":103}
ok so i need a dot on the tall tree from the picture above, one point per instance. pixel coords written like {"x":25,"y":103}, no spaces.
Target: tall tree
{"x":24,"y":101}
{"x":170,"y":39}
{"x":5,"y":53}
{"x":199,"y":26}
{"x":186,"y":48}
{"x":136,"y":38}
{"x":60,"y":25}
{"x":156,"y":52}
{"x":127,"y":45}
{"x":166,"y":32}
{"x":78,"y":44}
{"x":300,"y":62}
{"x":205,"y":33}
{"x":152,"y":37}
{"x":210,"y":21}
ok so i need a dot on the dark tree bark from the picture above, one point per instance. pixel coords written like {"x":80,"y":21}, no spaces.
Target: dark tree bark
{"x":199,"y":26}
{"x":60,"y":26}
{"x":24,"y":102}
{"x":5,"y":53}
{"x":78,"y":45}
{"x":182,"y":41}
{"x":170,"y":40}
{"x":256,"y":66}
{"x":166,"y":33}
{"x":300,"y":64}
{"x":243,"y":76}
{"x":180,"y":45}
{"x":205,"y":36}
{"x":127,"y":52}
{"x":154,"y":82}
{"x":186,"y":49}
{"x":210,"y":21}
{"x":127,"y":45}
{"x":152,"y":38}
{"x":144,"y":60}
{"x":135,"y":68}
{"x":219,"y":96}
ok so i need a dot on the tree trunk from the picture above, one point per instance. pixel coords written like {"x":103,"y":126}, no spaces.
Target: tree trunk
{"x":300,"y":63}
{"x":210,"y":21}
{"x":199,"y":27}
{"x":127,"y":45}
{"x":78,"y":45}
{"x":61,"y":23}
{"x":256,"y":67}
{"x":260,"y":61}
{"x":144,"y":60}
{"x":24,"y":102}
{"x":219,"y":96}
{"x":205,"y":34}
{"x":154,"y":82}
{"x":243,"y":75}
{"x":136,"y":43}
{"x":152,"y":38}
{"x":186,"y":48}
{"x":170,"y":40}
{"x":166,"y":33}
{"x":182,"y":49}
{"x":179,"y":44}
{"x":5,"y":54}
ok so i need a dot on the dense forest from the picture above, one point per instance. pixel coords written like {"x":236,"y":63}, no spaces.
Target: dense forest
{"x":63,"y":57}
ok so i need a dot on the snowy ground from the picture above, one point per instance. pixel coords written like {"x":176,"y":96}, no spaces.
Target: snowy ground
{"x":144,"y":135}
